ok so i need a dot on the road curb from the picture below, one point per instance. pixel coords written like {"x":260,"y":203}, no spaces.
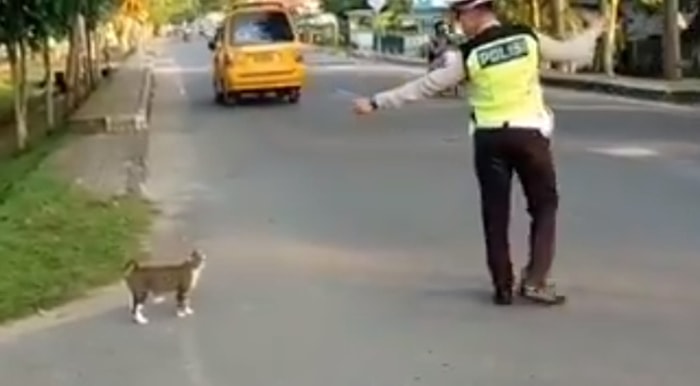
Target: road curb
{"x":671,"y":93}
{"x":114,"y":123}
{"x":612,"y":86}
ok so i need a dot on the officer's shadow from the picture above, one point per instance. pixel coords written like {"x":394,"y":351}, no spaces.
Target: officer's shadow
{"x":478,"y":291}
{"x":477,"y":295}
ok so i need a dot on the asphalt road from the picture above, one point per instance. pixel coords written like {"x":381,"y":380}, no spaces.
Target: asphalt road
{"x":347,"y":251}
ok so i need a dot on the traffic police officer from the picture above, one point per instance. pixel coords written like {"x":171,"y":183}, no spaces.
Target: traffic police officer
{"x":511,"y":126}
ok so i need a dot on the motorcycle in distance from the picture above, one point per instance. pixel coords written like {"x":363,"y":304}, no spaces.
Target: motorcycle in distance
{"x":186,"y":32}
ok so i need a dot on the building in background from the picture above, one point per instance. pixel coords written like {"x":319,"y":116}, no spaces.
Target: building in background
{"x":307,"y":7}
{"x":303,"y":7}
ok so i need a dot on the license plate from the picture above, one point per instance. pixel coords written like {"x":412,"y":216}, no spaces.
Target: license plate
{"x":265,"y":57}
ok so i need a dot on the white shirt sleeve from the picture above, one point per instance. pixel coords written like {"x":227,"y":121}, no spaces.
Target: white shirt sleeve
{"x":579,"y":49}
{"x":425,"y":86}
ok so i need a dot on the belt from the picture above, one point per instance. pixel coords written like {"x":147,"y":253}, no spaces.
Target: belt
{"x":534,"y":123}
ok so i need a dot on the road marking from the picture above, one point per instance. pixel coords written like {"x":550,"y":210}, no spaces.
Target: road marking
{"x":346,"y":93}
{"x":625,"y":151}
{"x":180,"y":86}
{"x":176,"y":73}
{"x":177,"y":78}
{"x":182,"y":70}
{"x":164,"y":61}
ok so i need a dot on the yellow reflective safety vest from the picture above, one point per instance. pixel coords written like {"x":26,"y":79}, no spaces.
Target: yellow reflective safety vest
{"x":502,"y":66}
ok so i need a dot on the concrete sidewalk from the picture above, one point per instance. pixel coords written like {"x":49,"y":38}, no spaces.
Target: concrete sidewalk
{"x":120,"y":103}
{"x":111,"y":158}
{"x":686,"y":91}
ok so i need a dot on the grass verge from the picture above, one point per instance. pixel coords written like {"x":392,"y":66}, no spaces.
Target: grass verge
{"x":56,"y":240}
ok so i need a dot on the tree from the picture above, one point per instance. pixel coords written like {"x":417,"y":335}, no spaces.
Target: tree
{"x":540,"y":14}
{"x":610,"y":8}
{"x":340,"y":6}
{"x":556,"y":18}
{"x":169,"y":11}
{"x":26,"y":24}
{"x":129,"y":17}
{"x":17,"y":19}
{"x":94,"y":12}
{"x":51,"y":22}
{"x":82,"y":18}
{"x":206,"y":6}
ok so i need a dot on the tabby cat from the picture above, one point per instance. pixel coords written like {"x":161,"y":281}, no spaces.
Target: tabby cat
{"x":181,"y":279}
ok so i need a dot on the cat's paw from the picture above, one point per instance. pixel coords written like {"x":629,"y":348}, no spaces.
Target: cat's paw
{"x":185,"y":311}
{"x":139,"y":318}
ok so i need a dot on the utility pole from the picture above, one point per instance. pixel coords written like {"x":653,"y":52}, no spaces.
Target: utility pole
{"x":558,"y":16}
{"x":672,"y":41}
{"x":558,"y":9}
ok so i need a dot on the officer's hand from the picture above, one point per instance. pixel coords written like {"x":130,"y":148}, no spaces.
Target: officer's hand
{"x":362,"y":106}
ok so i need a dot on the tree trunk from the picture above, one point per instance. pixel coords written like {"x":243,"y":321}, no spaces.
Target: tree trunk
{"x":609,"y":47}
{"x":48,"y":92}
{"x":558,"y":10}
{"x":126,"y":38}
{"x":17,"y":56}
{"x":72,"y":67}
{"x":671,"y":42}
{"x":83,"y":56}
{"x":536,"y":18}
{"x":90,"y":58}
{"x":99,"y":51}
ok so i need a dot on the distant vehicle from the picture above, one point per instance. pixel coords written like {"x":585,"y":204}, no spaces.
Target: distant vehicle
{"x":256,"y":51}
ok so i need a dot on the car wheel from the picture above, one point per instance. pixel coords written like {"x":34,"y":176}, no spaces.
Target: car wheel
{"x":294,"y":96}
{"x":230,"y":98}
{"x":219,"y":96}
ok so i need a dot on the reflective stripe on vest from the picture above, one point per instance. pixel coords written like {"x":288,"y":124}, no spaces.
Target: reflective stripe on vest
{"x":503,"y":69}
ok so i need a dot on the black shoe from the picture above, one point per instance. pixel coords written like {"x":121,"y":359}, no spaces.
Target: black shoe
{"x":544,"y":294}
{"x":503,"y":297}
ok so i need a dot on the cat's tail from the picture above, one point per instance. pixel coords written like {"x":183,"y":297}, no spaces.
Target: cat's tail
{"x":131,"y":265}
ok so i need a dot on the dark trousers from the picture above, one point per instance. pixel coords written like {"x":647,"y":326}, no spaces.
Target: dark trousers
{"x":498,"y":153}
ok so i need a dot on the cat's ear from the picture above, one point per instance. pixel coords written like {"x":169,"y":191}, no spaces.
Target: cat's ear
{"x":198,"y":255}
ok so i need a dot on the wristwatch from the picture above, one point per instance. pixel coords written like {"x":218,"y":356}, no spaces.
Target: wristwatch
{"x":373,"y":103}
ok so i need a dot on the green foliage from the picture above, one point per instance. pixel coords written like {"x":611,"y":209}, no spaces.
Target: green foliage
{"x":166,"y":11}
{"x":96,"y":10}
{"x":56,"y":240}
{"x":515,"y":11}
{"x":18,"y":19}
{"x":651,"y":5}
{"x":31,"y":21}
{"x":399,"y":7}
{"x":522,"y":11}
{"x":394,"y":12}
{"x":340,"y":6}
{"x":52,"y":20}
{"x":205,"y":6}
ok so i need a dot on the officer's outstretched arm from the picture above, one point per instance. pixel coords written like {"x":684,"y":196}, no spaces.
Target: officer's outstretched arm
{"x":579,"y":49}
{"x":425,"y":86}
